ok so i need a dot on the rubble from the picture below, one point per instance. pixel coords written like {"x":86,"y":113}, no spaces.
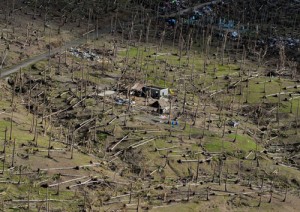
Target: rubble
{"x":233,"y":123}
{"x":106,"y":93}
{"x":273,"y":42}
{"x":84,"y":54}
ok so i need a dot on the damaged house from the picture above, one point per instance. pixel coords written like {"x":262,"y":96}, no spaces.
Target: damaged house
{"x":162,"y":106}
{"x":154,"y":92}
{"x":137,"y":89}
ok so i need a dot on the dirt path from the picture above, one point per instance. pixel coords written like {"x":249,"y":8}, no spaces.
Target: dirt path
{"x":35,"y":59}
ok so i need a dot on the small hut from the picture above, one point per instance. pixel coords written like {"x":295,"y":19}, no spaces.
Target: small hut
{"x":155,"y":92}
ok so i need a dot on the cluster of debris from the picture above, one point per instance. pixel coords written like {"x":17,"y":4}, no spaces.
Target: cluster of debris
{"x":226,"y":24}
{"x":171,"y":6}
{"x":200,"y":13}
{"x":233,"y":30}
{"x":233,"y":123}
{"x":120,"y":101}
{"x":275,"y":42}
{"x":194,"y":17}
{"x":207,"y":10}
{"x":234,"y":35}
{"x":84,"y":54}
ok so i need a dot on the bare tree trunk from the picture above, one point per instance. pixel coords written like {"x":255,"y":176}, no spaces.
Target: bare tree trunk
{"x":138,"y":204}
{"x":13,"y":154}
{"x":28,"y":202}
{"x":223,"y":132}
{"x":12,"y":108}
{"x":285,"y":194}
{"x":130,"y":195}
{"x":4,"y":150}
{"x":297,"y":117}
{"x":196,"y":112}
{"x":259,"y":203}
{"x":47,"y":202}
{"x":148,"y":31}
{"x":20,"y":174}
{"x":197,"y":171}
{"x":35,"y":139}
{"x":72,"y":145}
{"x":207,"y":193}
{"x":184,"y":99}
{"x":271,"y":193}
{"x":226,"y":180}
{"x":170,"y":113}
{"x":220,"y":170}
{"x":188,"y":193}
{"x":49,"y":144}
{"x":224,"y":46}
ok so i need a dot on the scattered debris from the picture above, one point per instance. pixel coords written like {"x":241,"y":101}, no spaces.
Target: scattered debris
{"x":120,"y":101}
{"x":162,"y":106}
{"x":84,"y":54}
{"x":233,"y":123}
{"x":273,"y":42}
{"x":106,"y":93}
{"x":174,"y":123}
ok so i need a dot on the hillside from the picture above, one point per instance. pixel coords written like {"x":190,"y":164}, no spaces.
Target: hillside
{"x":82,"y":129}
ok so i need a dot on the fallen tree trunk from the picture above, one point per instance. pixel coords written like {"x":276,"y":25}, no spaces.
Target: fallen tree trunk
{"x":85,"y":123}
{"x":26,"y":201}
{"x":162,"y":149}
{"x":119,"y":142}
{"x":68,"y":181}
{"x":145,"y":142}
{"x":198,"y":161}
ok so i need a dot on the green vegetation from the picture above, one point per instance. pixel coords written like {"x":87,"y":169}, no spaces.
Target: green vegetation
{"x":242,"y":142}
{"x":82,"y":151}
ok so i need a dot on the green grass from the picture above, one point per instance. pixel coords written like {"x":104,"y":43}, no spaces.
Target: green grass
{"x":222,"y":70}
{"x":243,"y":143}
{"x":215,"y":145}
{"x":159,"y":82}
{"x":41,"y":65}
{"x":132,"y":52}
{"x":4,"y":104}
{"x":21,"y":133}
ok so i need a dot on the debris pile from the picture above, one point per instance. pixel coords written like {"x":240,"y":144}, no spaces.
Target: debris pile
{"x":274,"y":42}
{"x":84,"y":54}
{"x":171,"y":6}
